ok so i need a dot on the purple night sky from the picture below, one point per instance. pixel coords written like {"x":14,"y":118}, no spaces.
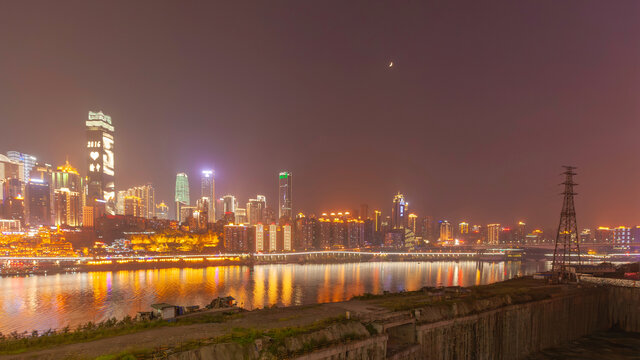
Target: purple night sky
{"x":483,"y":105}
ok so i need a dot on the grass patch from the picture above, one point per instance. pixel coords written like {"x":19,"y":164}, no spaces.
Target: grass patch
{"x":16,"y":343}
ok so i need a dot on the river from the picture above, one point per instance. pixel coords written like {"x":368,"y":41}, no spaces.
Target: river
{"x":53,"y":301}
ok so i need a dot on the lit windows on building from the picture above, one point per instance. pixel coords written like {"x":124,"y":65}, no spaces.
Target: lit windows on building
{"x":399,"y":212}
{"x":446,"y":231}
{"x":207,"y":190}
{"x":622,"y":238}
{"x":285,"y":203}
{"x":101,"y":161}
{"x":493,"y":234}
{"x":463,"y":228}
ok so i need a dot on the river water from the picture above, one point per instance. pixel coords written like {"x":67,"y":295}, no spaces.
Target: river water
{"x":54,"y":301}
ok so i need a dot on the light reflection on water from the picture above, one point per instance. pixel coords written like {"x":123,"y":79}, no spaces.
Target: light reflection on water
{"x":43,"y":302}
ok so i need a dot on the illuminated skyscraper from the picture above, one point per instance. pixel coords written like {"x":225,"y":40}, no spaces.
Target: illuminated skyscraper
{"x":255,"y":209}
{"x":101,"y":163}
{"x":493,"y":234}
{"x":208,"y":190}
{"x":27,"y":161}
{"x":67,"y":193}
{"x":446,"y":231}
{"x":182,"y":194}
{"x":463,"y":228}
{"x":229,"y":204}
{"x":398,"y":212}
{"x":240,"y":215}
{"x":413,"y":223}
{"x":285,"y":206}
{"x":121,"y":194}
{"x":147,"y":196}
{"x":377,"y":218}
{"x":133,"y":206}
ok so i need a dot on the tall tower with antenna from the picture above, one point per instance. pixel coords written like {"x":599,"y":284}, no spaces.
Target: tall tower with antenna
{"x":567,"y":239}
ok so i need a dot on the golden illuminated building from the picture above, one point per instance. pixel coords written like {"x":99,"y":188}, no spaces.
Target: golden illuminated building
{"x":42,"y":244}
{"x":446,"y":231}
{"x":493,"y":234}
{"x":412,"y":222}
{"x":67,"y":194}
{"x":463,"y":228}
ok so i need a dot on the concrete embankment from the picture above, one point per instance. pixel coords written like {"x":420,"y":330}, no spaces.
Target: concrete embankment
{"x":512,"y":325}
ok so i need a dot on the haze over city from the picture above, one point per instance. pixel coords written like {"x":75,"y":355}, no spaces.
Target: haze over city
{"x":482,"y":106}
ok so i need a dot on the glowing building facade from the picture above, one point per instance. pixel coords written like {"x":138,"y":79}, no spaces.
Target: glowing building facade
{"x":182,"y":194}
{"x":446,"y":231}
{"x":255,"y":209}
{"x":208,"y":191}
{"x":27,"y":161}
{"x":399,"y":212}
{"x":101,"y":163}
{"x":67,"y":194}
{"x":285,"y":204}
{"x":493,"y":234}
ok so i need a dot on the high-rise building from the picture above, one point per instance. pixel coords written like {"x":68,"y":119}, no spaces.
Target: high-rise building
{"x":399,"y":212}
{"x":87,"y":216}
{"x":239,"y":238}
{"x":162,"y":211}
{"x":285,"y":204}
{"x":133,"y":206}
{"x":377,"y":219}
{"x":67,"y":189}
{"x":412,"y":223}
{"x":272,"y":237}
{"x":240,"y":215}
{"x":13,"y":200}
{"x":27,"y":161}
{"x":10,"y":169}
{"x":622,"y":238}
{"x":446,"y":231}
{"x":229,"y":204}
{"x":355,"y":233}
{"x":287,"y":238}
{"x":121,"y":194}
{"x":521,"y":233}
{"x":38,"y":202}
{"x":208,"y":190}
{"x":493,"y":234}
{"x":101,"y":163}
{"x":260,"y":238}
{"x":147,"y":196}
{"x":255,"y":209}
{"x":305,"y":232}
{"x":182,"y":194}
{"x":463,"y":228}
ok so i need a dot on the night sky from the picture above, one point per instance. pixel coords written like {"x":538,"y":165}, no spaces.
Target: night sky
{"x":483,"y":105}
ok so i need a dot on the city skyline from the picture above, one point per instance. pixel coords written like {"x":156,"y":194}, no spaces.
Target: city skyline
{"x":436,"y":126}
{"x":207,"y":180}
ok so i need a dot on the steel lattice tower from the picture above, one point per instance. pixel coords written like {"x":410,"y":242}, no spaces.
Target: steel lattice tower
{"x":567,"y":239}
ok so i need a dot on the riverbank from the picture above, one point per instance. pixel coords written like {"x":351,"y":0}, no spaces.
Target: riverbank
{"x":528,"y":313}
{"x":52,"y":267}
